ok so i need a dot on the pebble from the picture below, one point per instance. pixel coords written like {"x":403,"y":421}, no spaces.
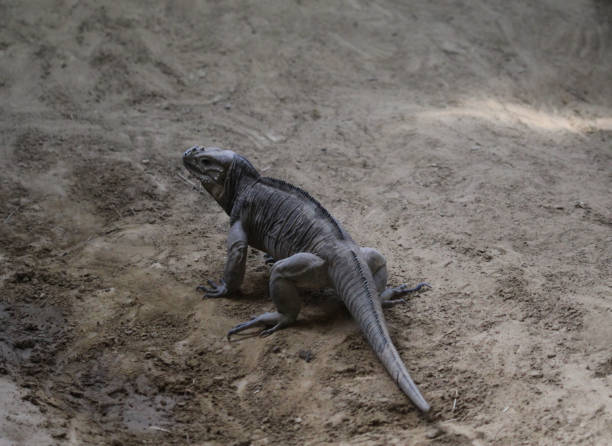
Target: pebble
{"x":434,"y":433}
{"x":306,"y":355}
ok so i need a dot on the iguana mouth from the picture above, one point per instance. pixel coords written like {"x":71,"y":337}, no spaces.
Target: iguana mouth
{"x":207,"y":165}
{"x":189,"y":161}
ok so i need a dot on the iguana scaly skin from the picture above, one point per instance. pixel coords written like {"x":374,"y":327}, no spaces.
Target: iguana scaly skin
{"x":311,"y":248}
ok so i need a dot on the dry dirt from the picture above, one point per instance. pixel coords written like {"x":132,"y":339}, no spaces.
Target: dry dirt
{"x":469,"y":141}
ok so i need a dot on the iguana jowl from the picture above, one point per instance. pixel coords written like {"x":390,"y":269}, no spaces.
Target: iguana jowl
{"x":312,"y":249}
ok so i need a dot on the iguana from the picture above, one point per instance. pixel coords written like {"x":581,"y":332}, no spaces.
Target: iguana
{"x":310,"y":248}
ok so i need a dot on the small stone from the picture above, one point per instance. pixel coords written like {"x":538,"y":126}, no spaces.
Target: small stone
{"x":165,"y":358}
{"x":434,"y":433}
{"x":23,"y":276}
{"x":59,"y":434}
{"x":306,"y":355}
{"x":24,"y":343}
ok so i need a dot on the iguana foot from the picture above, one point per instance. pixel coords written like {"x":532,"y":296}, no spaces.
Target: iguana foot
{"x":269,"y":260}
{"x":276,"y":319}
{"x":215,"y":290}
{"x":391,"y":296}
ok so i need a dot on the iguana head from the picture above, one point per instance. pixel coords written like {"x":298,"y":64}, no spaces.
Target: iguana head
{"x":221,"y":172}
{"x":210,"y":166}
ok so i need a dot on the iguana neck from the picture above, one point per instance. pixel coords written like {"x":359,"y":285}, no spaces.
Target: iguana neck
{"x":240,"y":175}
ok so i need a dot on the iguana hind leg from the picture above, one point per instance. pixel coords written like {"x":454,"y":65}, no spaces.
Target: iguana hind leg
{"x":302,"y":270}
{"x":389,"y":296}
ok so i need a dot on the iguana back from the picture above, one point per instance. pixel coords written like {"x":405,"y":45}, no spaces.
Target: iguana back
{"x":282,"y":220}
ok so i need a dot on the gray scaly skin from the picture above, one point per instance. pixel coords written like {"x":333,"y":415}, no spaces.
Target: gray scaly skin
{"x":312,"y":251}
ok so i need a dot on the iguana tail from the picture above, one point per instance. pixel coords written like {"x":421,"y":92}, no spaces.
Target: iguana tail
{"x":355,"y":285}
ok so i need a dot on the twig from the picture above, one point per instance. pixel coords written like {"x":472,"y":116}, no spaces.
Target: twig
{"x":8,"y":217}
{"x":191,"y":183}
{"x":157,"y":428}
{"x":115,"y":209}
{"x":498,"y":432}
{"x":448,"y":332}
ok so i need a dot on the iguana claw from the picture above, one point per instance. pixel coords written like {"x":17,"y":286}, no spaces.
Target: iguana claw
{"x":275,"y":319}
{"x":215,"y":290}
{"x":387,"y":296}
{"x":416,"y":288}
{"x":267,"y":332}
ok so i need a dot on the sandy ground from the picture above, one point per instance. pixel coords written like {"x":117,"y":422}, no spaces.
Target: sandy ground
{"x":469,"y":141}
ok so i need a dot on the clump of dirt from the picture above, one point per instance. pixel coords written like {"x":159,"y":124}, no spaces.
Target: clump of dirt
{"x":604,"y":369}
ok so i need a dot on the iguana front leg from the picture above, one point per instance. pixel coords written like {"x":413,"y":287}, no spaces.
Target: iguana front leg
{"x":233,"y":273}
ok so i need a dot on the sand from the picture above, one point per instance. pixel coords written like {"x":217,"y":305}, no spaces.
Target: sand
{"x":470,"y":142}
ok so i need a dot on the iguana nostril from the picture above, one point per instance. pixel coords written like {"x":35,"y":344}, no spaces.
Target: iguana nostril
{"x":189,"y":151}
